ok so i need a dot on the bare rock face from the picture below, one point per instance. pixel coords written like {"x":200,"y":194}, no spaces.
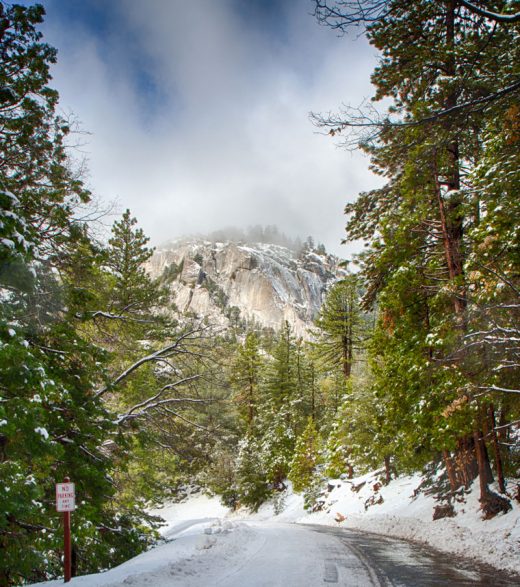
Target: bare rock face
{"x":261,"y":283}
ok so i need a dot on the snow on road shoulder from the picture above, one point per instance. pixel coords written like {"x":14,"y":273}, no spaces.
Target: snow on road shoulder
{"x":180,"y":562}
{"x":404,"y":514}
{"x":196,"y":507}
{"x":398,"y":510}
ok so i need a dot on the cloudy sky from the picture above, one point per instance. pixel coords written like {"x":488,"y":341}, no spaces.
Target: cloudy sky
{"x":198,"y":111}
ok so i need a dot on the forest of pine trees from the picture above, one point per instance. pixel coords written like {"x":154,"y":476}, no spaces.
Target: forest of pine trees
{"x":441,"y":265}
{"x":412,"y":364}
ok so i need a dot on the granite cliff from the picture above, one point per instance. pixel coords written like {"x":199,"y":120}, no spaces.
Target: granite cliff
{"x":237,"y":282}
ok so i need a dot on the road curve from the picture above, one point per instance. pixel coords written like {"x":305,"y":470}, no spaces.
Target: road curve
{"x":398,"y":563}
{"x":293,"y":555}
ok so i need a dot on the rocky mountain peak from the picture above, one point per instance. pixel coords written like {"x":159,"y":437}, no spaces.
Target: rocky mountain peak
{"x":234,"y":283}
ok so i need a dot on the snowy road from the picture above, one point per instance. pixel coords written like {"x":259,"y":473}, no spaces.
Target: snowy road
{"x":288,"y":555}
{"x":393,"y":562}
{"x":268,"y":554}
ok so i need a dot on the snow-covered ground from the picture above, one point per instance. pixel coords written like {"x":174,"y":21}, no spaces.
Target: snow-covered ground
{"x":205,"y":539}
{"x":495,"y":542}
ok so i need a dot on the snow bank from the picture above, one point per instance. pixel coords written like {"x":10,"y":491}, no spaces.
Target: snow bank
{"x":178,"y":563}
{"x":495,"y":541}
{"x":195,"y":508}
{"x":397,"y":510}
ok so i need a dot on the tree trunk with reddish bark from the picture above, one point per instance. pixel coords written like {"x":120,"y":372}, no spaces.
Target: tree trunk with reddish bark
{"x":450,"y":471}
{"x":496,"y":450}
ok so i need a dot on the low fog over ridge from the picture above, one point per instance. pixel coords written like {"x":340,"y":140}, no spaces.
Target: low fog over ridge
{"x":198,"y":112}
{"x":270,"y":234}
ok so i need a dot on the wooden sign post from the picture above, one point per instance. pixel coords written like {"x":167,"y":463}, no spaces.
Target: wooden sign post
{"x":66,"y":503}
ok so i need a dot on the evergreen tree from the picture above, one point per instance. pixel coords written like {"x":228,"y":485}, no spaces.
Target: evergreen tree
{"x":277,"y":443}
{"x":134,"y":291}
{"x":251,"y":476}
{"x":131,"y":304}
{"x":306,"y":458}
{"x":282,"y":382}
{"x":336,"y":454}
{"x":245,"y":378}
{"x":340,"y":324}
{"x":220,"y":474}
{"x":309,"y":400}
{"x":52,"y":423}
{"x":283,"y":416}
{"x":419,"y":223}
{"x":33,"y":160}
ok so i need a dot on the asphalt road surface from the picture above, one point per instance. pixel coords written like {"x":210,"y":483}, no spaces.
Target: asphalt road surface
{"x":392,"y":562}
{"x":311,"y":555}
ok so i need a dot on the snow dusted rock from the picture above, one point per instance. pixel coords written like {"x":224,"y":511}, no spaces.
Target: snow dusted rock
{"x":262,"y":283}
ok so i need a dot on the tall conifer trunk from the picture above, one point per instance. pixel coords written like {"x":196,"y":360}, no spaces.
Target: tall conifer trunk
{"x":347,"y":356}
{"x":496,"y":450}
{"x":452,"y":223}
{"x":251,"y":403}
{"x":450,"y":208}
{"x":450,"y":471}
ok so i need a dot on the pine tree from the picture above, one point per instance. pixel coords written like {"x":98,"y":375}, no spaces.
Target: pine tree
{"x":251,"y":477}
{"x":32,"y":151}
{"x":419,"y":223}
{"x":336,"y":455}
{"x":131,"y":304}
{"x":340,"y":324}
{"x":245,"y":378}
{"x":277,"y":443}
{"x":281,"y":380}
{"x":309,"y":400}
{"x":306,"y":458}
{"x":134,"y":291}
{"x":285,"y":409}
{"x":51,"y":422}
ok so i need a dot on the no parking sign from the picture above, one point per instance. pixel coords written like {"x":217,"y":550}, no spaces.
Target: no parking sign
{"x":66,"y":503}
{"x":65,"y":497}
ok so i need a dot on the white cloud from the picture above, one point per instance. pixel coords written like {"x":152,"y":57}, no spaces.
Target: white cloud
{"x":223,"y":136}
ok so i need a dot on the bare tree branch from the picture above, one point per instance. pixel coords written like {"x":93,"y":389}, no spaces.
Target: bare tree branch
{"x":344,"y":14}
{"x":350,"y":13}
{"x":508,"y":425}
{"x":154,"y":401}
{"x":109,"y":316}
{"x":177,"y":415}
{"x":497,"y":17}
{"x":358,"y":118}
{"x":157,"y":356}
{"x":160,"y":404}
{"x":495,"y":388}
